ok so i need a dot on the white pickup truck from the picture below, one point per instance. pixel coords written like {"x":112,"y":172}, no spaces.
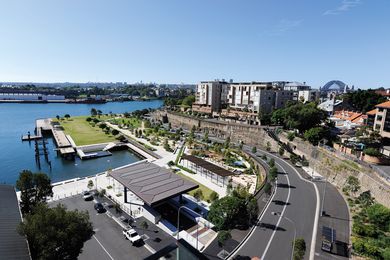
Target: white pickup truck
{"x":132,"y":235}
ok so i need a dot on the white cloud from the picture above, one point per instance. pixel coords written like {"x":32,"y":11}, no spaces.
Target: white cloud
{"x":285,"y":25}
{"x":345,"y":6}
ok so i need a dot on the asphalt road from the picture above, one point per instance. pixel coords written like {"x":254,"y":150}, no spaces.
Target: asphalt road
{"x":108,"y":241}
{"x":336,"y":216}
{"x":295,"y":199}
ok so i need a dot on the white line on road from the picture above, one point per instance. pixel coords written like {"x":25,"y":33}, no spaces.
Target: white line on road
{"x":103,"y":247}
{"x":281,"y":214}
{"x":317,"y":214}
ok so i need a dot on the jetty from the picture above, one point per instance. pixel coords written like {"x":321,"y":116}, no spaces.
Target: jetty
{"x":64,"y":146}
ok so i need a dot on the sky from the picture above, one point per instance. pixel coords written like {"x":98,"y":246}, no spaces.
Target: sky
{"x":186,"y":41}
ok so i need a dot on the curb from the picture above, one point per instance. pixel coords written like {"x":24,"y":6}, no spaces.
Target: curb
{"x":253,"y":227}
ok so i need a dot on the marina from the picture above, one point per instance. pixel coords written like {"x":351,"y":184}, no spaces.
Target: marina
{"x":18,"y":155}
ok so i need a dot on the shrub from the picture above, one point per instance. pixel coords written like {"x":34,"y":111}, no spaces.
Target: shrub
{"x":291,"y":136}
{"x":214,"y":196}
{"x":88,"y":119}
{"x":372,"y":152}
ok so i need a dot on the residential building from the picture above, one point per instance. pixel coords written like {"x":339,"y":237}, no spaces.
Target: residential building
{"x":382,"y":119}
{"x":210,"y":96}
{"x":308,"y":95}
{"x":348,"y":119}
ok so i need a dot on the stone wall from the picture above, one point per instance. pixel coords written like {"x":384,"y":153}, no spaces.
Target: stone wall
{"x":250,"y":134}
{"x":337,"y":169}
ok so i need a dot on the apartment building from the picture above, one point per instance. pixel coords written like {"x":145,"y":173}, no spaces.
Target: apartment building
{"x":382,"y":119}
{"x":210,"y":96}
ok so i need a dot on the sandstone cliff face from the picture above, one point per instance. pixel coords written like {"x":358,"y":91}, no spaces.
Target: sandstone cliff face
{"x":335,"y":169}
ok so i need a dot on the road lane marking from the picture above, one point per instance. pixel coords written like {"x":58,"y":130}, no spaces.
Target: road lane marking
{"x":257,"y":223}
{"x":281,"y":215}
{"x":103,"y":248}
{"x":317,"y":214}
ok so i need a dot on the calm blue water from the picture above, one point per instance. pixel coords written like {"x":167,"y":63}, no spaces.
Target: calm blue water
{"x":18,"y":119}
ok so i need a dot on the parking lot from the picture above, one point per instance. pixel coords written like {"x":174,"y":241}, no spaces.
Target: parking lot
{"x":108,"y":241}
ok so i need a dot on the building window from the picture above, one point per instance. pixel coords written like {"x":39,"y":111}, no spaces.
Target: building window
{"x":379,"y":118}
{"x":377,"y":127}
{"x":380,"y":109}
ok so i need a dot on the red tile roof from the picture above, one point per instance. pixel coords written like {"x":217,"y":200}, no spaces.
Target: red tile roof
{"x":384,"y":105}
{"x":371,"y":112}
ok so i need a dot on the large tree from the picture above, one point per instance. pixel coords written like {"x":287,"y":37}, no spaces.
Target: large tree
{"x":299,"y":116}
{"x":55,"y":233}
{"x":34,"y":188}
{"x":363,"y":100}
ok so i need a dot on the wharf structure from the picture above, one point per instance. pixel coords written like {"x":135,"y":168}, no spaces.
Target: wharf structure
{"x":64,"y":146}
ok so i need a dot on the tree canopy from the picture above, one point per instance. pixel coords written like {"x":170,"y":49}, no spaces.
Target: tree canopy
{"x":299,"y":116}
{"x":34,"y":188}
{"x":236,"y":210}
{"x":363,"y":100}
{"x":55,"y":233}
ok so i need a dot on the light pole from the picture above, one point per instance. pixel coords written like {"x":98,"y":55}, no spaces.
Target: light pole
{"x":178,"y":223}
{"x":323,"y":197}
{"x":295,"y":229}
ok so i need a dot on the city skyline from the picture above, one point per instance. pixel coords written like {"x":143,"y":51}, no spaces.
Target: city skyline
{"x":174,"y":42}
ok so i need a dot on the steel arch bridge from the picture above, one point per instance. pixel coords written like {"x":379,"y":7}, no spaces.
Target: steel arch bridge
{"x":334,"y":85}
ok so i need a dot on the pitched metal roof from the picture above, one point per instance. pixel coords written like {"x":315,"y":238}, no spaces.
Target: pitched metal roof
{"x":152,"y":183}
{"x":12,"y":245}
{"x":208,"y":166}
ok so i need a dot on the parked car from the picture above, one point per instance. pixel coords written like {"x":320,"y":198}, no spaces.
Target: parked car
{"x":99,"y":207}
{"x":132,"y":235}
{"x":87,"y":195}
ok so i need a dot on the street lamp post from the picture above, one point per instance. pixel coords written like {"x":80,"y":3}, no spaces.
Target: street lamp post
{"x":178,"y":223}
{"x":295,"y":229}
{"x":323,"y":197}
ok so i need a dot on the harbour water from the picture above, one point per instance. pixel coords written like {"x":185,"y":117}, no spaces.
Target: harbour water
{"x":18,"y":119}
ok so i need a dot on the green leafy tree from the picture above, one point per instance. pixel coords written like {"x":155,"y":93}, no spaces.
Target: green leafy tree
{"x":365,"y":199}
{"x":299,"y":116}
{"x":90,"y":184}
{"x":213,"y":196}
{"x":254,"y":149}
{"x":268,"y":147}
{"x":34,"y":189}
{"x":93,"y":112}
{"x":273,"y":173}
{"x":299,"y":249}
{"x":291,"y":136}
{"x":144,"y":225}
{"x":67,"y":116}
{"x":267,"y":188}
{"x":188,"y":101}
{"x":55,"y":233}
{"x":223,"y":236}
{"x":352,"y":184}
{"x":315,"y":135}
{"x":227,"y":212}
{"x":271,"y":162}
{"x":379,"y":215}
{"x":363,"y":100}
{"x":114,"y":132}
{"x":281,"y":151}
{"x":198,"y":194}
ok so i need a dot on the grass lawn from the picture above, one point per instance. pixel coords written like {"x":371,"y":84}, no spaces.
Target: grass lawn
{"x":134,"y":122}
{"x":83,"y":133}
{"x":206,"y":191}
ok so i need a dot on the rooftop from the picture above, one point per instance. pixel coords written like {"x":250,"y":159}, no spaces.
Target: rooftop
{"x":207,"y":165}
{"x":152,"y":183}
{"x":12,"y":245}
{"x":384,"y":105}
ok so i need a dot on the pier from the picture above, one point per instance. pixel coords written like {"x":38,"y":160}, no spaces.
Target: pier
{"x":64,"y":146}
